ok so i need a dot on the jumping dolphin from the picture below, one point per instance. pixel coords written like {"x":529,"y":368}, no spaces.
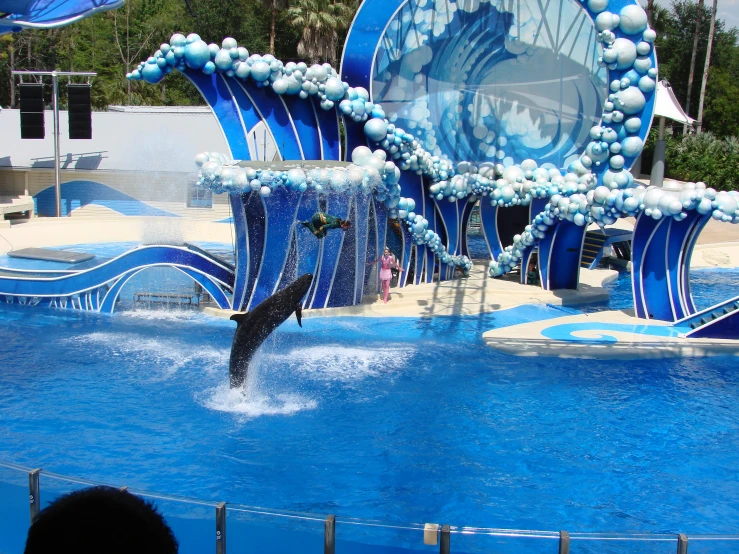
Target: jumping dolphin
{"x":255,"y":326}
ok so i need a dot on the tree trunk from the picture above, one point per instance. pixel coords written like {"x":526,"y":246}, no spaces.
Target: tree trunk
{"x":11,"y":53}
{"x":128,"y":55}
{"x":706,"y":66}
{"x":272,"y":31}
{"x":164,"y":93}
{"x":650,"y":7}
{"x":692,"y":62}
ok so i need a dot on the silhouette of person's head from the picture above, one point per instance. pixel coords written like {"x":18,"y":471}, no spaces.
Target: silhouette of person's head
{"x":100,"y":519}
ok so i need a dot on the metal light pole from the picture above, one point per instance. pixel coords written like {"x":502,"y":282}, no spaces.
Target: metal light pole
{"x":55,"y":103}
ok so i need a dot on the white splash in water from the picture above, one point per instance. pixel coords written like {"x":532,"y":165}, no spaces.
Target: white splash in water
{"x":343,"y":363}
{"x":250,"y":402}
{"x":172,"y":313}
{"x":165,"y":355}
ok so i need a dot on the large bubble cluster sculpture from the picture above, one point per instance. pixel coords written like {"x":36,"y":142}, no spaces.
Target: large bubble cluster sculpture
{"x":369,"y":173}
{"x":604,"y":206}
{"x":614,"y":142}
{"x":318,"y":80}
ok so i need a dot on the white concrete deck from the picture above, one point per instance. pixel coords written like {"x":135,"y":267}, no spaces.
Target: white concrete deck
{"x":602,"y":335}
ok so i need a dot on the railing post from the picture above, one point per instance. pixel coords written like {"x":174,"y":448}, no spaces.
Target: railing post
{"x":445,"y":543}
{"x":564,"y":542}
{"x":682,"y":544}
{"x":34,"y":495}
{"x":329,"y":535}
{"x":221,"y":528}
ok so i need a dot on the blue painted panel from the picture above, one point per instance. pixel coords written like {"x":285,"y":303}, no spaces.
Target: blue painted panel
{"x":76,"y":194}
{"x":361,"y":42}
{"x":726,"y":328}
{"x":345,"y":278}
{"x":108,"y":271}
{"x":308,"y":246}
{"x":362,"y":229}
{"x":248,"y":111}
{"x":212,"y":288}
{"x":255,"y":219}
{"x":339,"y":206}
{"x":281,"y":208}
{"x":654,"y":274}
{"x":353,"y":137}
{"x":687,"y":256}
{"x":489,"y":226}
{"x":108,"y":304}
{"x":450,"y":214}
{"x":328,"y":125}
{"x":240,"y":295}
{"x":559,"y":256}
{"x":274,"y":113}
{"x":373,"y":247}
{"x":643,"y":229}
{"x":215,"y":92}
{"x":306,"y":125}
{"x":678,"y":243}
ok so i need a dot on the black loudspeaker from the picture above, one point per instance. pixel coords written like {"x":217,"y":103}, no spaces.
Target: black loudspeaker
{"x":32,"y":110}
{"x":80,"y":111}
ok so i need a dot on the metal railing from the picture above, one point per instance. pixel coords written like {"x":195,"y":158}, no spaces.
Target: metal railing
{"x":429,"y":534}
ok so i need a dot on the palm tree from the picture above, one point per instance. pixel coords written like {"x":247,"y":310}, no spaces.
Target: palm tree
{"x":321,"y":21}
{"x":273,"y":6}
{"x":706,"y":66}
{"x":692,"y":60}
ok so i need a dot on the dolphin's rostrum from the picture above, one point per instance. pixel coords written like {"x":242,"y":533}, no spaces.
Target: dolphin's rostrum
{"x":255,"y":326}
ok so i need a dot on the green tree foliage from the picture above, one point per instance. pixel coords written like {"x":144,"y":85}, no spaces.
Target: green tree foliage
{"x":321,"y":22}
{"x":113,"y":43}
{"x":674,"y":47}
{"x":701,"y":157}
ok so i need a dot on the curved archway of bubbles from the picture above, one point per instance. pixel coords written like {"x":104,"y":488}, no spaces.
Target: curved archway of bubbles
{"x":492,"y":81}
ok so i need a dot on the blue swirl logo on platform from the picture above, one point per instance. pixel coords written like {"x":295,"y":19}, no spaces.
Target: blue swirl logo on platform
{"x":494,"y":81}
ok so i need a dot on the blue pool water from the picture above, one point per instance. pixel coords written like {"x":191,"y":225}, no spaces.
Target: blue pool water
{"x":402,"y":420}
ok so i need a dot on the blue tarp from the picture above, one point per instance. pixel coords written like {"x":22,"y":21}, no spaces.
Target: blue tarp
{"x":16,"y":15}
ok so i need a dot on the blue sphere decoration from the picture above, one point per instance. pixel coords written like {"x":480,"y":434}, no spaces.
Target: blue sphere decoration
{"x":223,"y":60}
{"x":197,"y":54}
{"x":260,"y":70}
{"x":376,"y":129}
{"x":209,"y":68}
{"x":334,"y":89}
{"x":152,"y":73}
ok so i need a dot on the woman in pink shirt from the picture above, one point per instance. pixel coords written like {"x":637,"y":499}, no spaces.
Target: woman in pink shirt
{"x":388,"y":261}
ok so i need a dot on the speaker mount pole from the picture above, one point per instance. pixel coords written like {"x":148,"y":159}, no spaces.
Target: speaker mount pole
{"x":57,"y":179}
{"x":55,"y":103}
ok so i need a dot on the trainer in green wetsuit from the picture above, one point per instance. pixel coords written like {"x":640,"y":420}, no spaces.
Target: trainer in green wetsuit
{"x":320,"y":223}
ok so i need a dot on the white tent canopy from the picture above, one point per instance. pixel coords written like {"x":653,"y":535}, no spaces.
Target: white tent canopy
{"x":666,"y":105}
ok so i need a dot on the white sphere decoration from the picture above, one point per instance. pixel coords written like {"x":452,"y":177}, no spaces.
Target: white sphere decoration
{"x":360,"y":154}
{"x":626,"y":51}
{"x":631,"y":146}
{"x":647,"y":84}
{"x":597,"y":6}
{"x":630,"y":101}
{"x":633,"y":20}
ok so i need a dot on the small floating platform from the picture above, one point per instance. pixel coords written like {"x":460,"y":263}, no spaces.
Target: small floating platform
{"x":50,"y":255}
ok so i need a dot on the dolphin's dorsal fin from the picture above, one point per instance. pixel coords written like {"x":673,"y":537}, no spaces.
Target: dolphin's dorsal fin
{"x":239,"y":318}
